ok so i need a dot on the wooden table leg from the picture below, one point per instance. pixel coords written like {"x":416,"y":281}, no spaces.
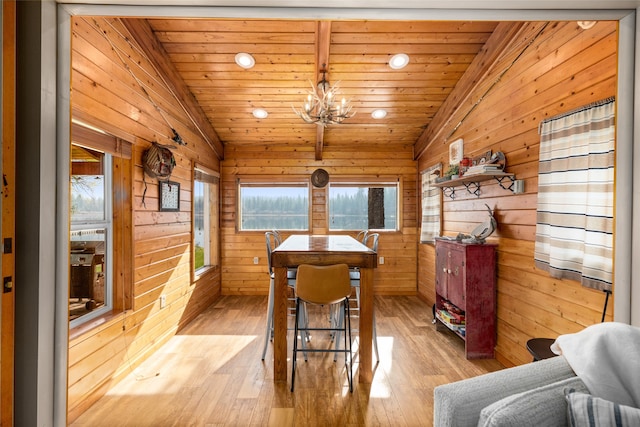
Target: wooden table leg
{"x":280,"y":325}
{"x":366,"y":325}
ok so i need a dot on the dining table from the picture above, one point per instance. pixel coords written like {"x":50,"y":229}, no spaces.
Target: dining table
{"x":312,"y":249}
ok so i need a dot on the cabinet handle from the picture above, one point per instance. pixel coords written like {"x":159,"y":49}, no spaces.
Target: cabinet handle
{"x":449,"y":271}
{"x":456,"y":272}
{"x":444,"y":269}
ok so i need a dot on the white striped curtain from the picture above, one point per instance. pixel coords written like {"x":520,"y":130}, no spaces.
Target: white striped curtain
{"x":431,"y":199}
{"x":574,"y":230}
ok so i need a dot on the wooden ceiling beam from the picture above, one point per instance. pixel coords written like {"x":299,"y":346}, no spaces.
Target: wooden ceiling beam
{"x":143,"y":35}
{"x":503,"y":38}
{"x":319,"y":141}
{"x":323,"y":42}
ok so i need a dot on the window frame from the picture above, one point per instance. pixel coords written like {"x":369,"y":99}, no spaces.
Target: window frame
{"x":369,"y":182}
{"x":290,"y":181}
{"x":118,"y":268}
{"x":213,"y":220}
{"x":107,"y":224}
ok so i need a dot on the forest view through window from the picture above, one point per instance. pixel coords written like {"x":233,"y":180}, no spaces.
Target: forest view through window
{"x":363,"y":206}
{"x":272,"y":206}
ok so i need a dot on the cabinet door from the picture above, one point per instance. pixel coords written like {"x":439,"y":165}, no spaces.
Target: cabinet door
{"x":441,"y":269}
{"x":456,"y":277}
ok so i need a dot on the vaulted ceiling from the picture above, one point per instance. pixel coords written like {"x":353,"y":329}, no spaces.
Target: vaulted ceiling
{"x":198,"y":56}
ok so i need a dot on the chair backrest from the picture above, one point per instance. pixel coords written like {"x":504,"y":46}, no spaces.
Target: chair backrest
{"x":272,"y":240}
{"x":323,"y":284}
{"x":277,"y":236}
{"x":371,"y":241}
{"x":361,"y":236}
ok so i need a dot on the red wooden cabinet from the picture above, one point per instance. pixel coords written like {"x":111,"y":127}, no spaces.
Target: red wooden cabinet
{"x":466,"y":294}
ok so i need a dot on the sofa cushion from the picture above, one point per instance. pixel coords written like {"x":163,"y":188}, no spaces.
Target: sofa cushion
{"x":587,"y":410}
{"x":459,"y":404}
{"x":541,"y":406}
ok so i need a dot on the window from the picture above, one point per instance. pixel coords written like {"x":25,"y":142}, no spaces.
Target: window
{"x":205,"y":219}
{"x":268,"y":206}
{"x":360,"y":206}
{"x":91,"y":234}
{"x":98,"y":278}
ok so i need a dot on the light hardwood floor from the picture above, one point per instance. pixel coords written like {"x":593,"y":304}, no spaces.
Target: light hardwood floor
{"x":210,"y":374}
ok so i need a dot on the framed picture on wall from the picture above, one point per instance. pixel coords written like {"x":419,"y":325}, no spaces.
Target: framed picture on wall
{"x":169,"y":196}
{"x":456,"y":151}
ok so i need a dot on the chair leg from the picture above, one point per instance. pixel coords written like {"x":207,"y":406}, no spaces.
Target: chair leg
{"x":375,"y":338}
{"x":339,"y":325}
{"x":295,"y":346}
{"x":268,"y":335}
{"x":302,"y":322}
{"x":348,"y":355}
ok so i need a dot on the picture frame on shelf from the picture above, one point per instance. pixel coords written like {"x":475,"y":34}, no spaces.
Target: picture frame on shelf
{"x":456,"y":151}
{"x":168,"y":196}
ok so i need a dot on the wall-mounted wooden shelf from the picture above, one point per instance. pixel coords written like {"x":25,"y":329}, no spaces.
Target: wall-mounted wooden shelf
{"x":472,"y":183}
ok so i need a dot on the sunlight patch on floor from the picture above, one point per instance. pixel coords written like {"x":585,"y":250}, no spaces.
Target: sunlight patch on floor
{"x":380,"y":388}
{"x":207,"y":353}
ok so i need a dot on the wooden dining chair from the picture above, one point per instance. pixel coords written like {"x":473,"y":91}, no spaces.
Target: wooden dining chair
{"x":324,"y":285}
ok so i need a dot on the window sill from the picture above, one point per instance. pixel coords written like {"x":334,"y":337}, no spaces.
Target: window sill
{"x":96,"y":325}
{"x":204,"y":272}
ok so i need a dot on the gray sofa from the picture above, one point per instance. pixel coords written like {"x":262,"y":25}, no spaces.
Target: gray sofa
{"x":526,"y":395}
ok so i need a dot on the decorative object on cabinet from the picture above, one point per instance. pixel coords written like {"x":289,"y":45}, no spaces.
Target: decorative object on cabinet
{"x":466,"y":292}
{"x":484,"y":230}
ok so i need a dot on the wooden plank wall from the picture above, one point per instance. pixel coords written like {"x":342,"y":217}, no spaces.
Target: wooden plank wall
{"x":555,"y":67}
{"x":294,"y":159}
{"x":106,"y":95}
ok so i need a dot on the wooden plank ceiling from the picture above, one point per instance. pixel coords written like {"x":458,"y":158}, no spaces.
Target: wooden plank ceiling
{"x":290,"y":55}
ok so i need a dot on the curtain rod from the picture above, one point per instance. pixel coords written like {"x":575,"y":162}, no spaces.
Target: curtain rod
{"x":577,"y":110}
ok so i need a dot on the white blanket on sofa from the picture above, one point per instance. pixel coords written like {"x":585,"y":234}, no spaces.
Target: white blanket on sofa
{"x":606,"y":356}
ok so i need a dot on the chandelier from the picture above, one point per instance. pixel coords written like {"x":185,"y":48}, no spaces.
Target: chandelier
{"x":321,"y":106}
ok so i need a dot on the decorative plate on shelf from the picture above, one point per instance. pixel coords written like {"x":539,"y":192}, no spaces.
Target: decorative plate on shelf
{"x":320,"y":178}
{"x":499,"y":159}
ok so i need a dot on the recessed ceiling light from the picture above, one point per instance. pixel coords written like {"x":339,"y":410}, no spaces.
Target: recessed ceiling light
{"x":379,"y":114}
{"x":245,"y":60}
{"x":399,"y":60}
{"x":259,"y":113}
